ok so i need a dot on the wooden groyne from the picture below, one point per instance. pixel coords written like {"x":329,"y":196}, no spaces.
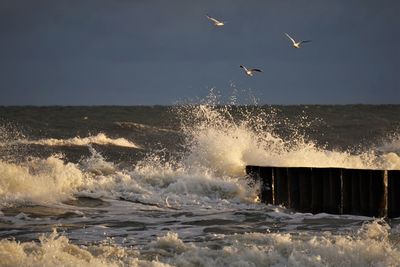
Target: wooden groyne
{"x":374,"y":193}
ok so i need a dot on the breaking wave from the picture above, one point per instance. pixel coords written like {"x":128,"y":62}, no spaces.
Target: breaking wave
{"x":217,"y":141}
{"x":51,"y":180}
{"x":371,"y":245}
{"x":38,"y":180}
{"x":99,"y":139}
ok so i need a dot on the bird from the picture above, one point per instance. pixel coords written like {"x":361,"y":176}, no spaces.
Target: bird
{"x":217,"y":23}
{"x":296,"y":44}
{"x":250,"y":72}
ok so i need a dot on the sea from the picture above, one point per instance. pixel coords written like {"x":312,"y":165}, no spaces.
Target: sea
{"x":166,"y":185}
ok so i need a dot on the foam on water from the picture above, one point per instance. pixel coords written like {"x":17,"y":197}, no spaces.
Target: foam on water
{"x":51,"y":180}
{"x":211,"y":168}
{"x":55,"y":250}
{"x":221,"y":144}
{"x":371,"y":245}
{"x":179,"y":179}
{"x":38,"y":180}
{"x":99,"y":139}
{"x":207,"y":176}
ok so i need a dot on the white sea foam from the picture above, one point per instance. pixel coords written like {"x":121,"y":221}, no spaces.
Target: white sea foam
{"x":208,"y":176}
{"x":370,"y":246}
{"x":99,"y":139}
{"x":39,"y":180}
{"x":217,"y":150}
{"x":219,"y":143}
{"x":54,"y":250}
{"x":97,"y":164}
{"x":189,"y":185}
{"x":51,"y":180}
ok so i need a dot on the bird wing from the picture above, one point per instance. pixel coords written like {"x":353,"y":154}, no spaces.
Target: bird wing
{"x":212,"y":19}
{"x":243,"y":67}
{"x":256,"y":70}
{"x":291,"y":39}
{"x":305,"y":41}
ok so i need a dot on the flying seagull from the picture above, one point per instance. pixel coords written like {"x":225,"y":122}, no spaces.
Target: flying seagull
{"x":250,"y":72}
{"x":296,"y":44}
{"x":216,"y":22}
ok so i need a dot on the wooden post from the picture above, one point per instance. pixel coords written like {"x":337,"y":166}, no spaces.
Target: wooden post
{"x":364,"y":180}
{"x":281,"y":186}
{"x":305,"y":189}
{"x":266,"y":175}
{"x":332,"y":190}
{"x":318,"y":179}
{"x":393,"y":193}
{"x":376,"y":194}
{"x":334,"y":178}
{"x":293,"y":188}
{"x":254,"y":173}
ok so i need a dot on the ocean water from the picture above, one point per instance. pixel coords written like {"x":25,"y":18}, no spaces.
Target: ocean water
{"x":165,"y":186}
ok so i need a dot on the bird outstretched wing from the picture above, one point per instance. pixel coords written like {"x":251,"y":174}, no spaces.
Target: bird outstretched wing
{"x":291,"y":39}
{"x":213,"y":19}
{"x":256,"y":70}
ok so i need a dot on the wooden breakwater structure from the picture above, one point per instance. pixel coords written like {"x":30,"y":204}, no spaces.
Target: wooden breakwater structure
{"x":374,"y":193}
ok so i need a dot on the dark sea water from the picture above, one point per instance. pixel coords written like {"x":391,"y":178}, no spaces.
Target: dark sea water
{"x":165,"y":186}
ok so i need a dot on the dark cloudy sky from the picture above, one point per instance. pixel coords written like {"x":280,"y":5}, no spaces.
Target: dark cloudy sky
{"x":139,"y":52}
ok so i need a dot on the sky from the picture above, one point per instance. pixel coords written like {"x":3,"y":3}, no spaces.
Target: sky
{"x":148,"y":52}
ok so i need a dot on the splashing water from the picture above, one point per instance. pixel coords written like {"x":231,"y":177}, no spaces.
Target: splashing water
{"x":370,"y":246}
{"x":189,"y":207}
{"x":38,"y":180}
{"x":220,"y":143}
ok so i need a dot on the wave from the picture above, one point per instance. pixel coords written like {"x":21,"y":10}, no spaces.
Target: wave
{"x":211,"y":168}
{"x":38,"y":181}
{"x":190,"y":184}
{"x":218,"y":142}
{"x":51,"y":180}
{"x":55,"y":250}
{"x":143,"y":127}
{"x":371,"y":245}
{"x":99,"y":139}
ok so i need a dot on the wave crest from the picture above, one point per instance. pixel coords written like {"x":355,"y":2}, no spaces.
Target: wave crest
{"x":224,"y":144}
{"x":99,"y":139}
{"x":370,"y":246}
{"x":39,"y":180}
